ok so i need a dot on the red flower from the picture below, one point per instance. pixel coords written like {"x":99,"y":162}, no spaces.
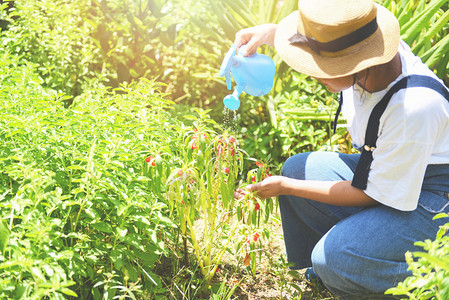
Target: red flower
{"x":256,"y":206}
{"x":195,"y":140}
{"x":180,"y":173}
{"x":232,"y":151}
{"x":220,"y":149}
{"x":254,"y":178}
{"x":231,"y":140}
{"x":226,"y":170}
{"x":151,"y":159}
{"x":259,"y":164}
{"x":255,"y":236}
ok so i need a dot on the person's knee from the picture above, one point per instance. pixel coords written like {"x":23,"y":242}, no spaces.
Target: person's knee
{"x":318,"y":166}
{"x":333,"y":264}
{"x":294,"y":166}
{"x":344,"y":270}
{"x":325,"y":258}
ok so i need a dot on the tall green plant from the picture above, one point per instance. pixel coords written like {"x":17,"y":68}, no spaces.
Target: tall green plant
{"x":201,"y":198}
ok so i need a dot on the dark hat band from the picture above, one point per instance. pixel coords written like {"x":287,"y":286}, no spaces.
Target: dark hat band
{"x":336,"y":45}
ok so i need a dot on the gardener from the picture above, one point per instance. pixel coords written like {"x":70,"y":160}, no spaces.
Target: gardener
{"x":355,"y":229}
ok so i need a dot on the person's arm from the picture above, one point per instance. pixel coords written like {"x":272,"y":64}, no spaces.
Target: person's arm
{"x":253,"y":37}
{"x":340,"y":193}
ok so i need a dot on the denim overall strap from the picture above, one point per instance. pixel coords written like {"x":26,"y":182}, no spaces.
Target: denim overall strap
{"x":360,"y":179}
{"x":337,"y":113}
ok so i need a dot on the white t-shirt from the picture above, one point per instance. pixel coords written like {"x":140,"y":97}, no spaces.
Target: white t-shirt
{"x":413,"y":132}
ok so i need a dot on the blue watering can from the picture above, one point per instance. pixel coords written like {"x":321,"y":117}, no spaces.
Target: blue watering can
{"x":253,"y":74}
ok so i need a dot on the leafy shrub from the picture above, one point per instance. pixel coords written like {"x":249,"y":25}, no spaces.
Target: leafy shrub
{"x":55,"y":36}
{"x":76,"y":197}
{"x":83,"y":189}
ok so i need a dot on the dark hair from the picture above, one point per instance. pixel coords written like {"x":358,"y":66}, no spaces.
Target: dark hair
{"x":355,"y":75}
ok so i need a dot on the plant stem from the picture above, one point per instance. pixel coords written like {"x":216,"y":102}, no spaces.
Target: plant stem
{"x":195,"y":244}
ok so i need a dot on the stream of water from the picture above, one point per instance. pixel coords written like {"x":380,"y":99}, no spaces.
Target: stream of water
{"x":230,"y":124}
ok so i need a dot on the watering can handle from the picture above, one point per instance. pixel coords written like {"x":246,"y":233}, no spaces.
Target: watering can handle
{"x":225,"y":69}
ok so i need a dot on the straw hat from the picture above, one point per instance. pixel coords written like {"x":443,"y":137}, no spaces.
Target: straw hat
{"x":335,"y":38}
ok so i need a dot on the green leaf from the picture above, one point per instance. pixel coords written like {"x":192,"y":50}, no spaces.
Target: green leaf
{"x":240,"y":8}
{"x":4,"y":236}
{"x":437,"y":52}
{"x":441,"y":215}
{"x":421,"y":21}
{"x":433,"y":30}
{"x":440,"y":262}
{"x":68,"y":292}
{"x":102,"y":226}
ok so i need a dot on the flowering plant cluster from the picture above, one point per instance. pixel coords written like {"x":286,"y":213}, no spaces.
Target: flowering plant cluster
{"x":200,"y":196}
{"x":200,"y":193}
{"x":257,"y":211}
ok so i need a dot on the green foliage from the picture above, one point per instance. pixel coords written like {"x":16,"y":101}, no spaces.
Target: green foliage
{"x":93,"y":195}
{"x":80,"y":44}
{"x":84,"y":217}
{"x":296,"y":120}
{"x":79,"y":201}
{"x":430,"y":279}
{"x":424,"y":26}
{"x":54,"y":35}
{"x":152,"y":39}
{"x":205,"y":186}
{"x":233,"y":15}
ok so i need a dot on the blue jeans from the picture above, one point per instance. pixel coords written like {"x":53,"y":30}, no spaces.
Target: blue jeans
{"x":356,"y":250}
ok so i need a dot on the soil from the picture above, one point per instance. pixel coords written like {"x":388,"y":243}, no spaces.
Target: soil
{"x":273,"y":280}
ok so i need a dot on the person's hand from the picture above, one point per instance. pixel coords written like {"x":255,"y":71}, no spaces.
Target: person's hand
{"x":253,"y":37}
{"x":240,"y":193}
{"x":269,"y":187}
